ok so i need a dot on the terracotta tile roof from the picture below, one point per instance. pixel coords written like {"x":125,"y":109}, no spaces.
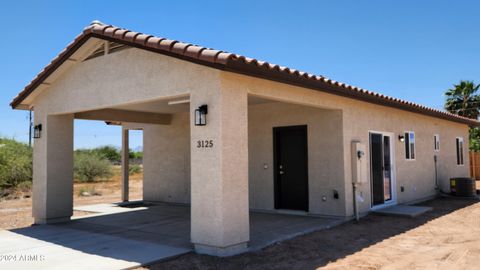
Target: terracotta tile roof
{"x":229,"y":62}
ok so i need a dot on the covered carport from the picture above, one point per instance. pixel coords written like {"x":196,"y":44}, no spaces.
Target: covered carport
{"x":111,"y":74}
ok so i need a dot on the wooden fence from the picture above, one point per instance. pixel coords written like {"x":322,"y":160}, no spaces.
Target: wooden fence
{"x":474,"y":164}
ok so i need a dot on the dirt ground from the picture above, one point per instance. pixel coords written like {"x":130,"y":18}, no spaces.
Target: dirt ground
{"x":446,"y":238}
{"x":17,"y":213}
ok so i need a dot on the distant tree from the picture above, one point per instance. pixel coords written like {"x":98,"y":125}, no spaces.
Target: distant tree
{"x":108,"y":152}
{"x":463,"y":99}
{"x":135,"y":155}
{"x":474,"y":136}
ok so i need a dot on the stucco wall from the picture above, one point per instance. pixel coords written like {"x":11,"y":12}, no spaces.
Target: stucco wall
{"x":125,"y":77}
{"x":166,"y":161}
{"x":330,"y":119}
{"x":417,"y":177}
{"x":325,"y":154}
{"x":135,"y":76}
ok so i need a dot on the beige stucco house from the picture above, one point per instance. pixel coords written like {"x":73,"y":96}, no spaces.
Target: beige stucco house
{"x":228,"y":134}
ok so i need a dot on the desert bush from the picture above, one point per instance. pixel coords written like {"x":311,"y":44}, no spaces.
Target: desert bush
{"x":90,"y":167}
{"x":25,"y":186}
{"x":134,"y":169}
{"x":105,"y":152}
{"x":15,"y":163}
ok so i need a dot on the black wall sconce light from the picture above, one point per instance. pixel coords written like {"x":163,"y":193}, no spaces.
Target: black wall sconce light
{"x":401,"y":138}
{"x":201,"y":115}
{"x":37,"y":131}
{"x":335,"y":194}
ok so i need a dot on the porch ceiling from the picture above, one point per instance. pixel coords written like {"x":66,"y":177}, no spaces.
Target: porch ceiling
{"x":116,"y":115}
{"x":176,"y":105}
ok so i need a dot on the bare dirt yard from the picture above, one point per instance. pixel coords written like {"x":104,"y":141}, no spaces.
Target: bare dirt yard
{"x":17,"y":213}
{"x":446,"y":238}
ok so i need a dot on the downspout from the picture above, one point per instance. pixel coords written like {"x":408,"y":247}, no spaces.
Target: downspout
{"x":355,"y":203}
{"x":357,"y":171}
{"x":437,"y":188}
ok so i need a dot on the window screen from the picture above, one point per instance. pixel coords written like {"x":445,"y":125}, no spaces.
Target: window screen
{"x":459,"y":151}
{"x":409,"y":145}
{"x":436,"y":142}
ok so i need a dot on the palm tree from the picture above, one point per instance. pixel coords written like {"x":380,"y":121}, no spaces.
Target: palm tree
{"x":463,"y":99}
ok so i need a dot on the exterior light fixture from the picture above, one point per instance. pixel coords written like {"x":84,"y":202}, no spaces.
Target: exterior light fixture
{"x":201,"y":115}
{"x":37,"y":131}
{"x":401,"y":138}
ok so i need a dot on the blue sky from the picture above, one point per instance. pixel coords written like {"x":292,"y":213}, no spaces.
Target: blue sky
{"x":413,"y":50}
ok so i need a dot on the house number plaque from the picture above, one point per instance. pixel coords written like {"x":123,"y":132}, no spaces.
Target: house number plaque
{"x":204,"y":143}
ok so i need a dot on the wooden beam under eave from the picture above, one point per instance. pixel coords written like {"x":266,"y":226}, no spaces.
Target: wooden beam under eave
{"x":115,"y":115}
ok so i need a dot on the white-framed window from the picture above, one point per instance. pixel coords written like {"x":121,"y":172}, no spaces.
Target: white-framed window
{"x":436,"y":142}
{"x":410,"y":145}
{"x":459,"y":146}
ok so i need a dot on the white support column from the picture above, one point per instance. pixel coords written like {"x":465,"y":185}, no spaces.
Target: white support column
{"x":219,"y":172}
{"x":53,"y":169}
{"x":125,"y":164}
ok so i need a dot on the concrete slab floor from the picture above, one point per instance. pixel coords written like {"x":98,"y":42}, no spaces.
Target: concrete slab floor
{"x":115,"y":237}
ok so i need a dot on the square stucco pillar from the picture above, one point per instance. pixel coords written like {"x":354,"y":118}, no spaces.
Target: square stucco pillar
{"x":219,"y":172}
{"x":53,"y":169}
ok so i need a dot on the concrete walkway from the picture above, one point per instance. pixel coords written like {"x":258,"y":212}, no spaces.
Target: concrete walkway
{"x":403,"y":210}
{"x":120,"y":237}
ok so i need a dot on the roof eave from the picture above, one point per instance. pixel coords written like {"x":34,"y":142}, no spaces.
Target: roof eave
{"x":239,"y":66}
{"x":50,"y":68}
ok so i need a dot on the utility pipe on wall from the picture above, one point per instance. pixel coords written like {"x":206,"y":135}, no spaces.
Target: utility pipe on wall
{"x":437,"y":188}
{"x":355,"y":203}
{"x":358,"y":172}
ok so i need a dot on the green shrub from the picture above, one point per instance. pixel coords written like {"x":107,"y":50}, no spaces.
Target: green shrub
{"x":89,"y":167}
{"x":15,"y":163}
{"x":134,"y":169}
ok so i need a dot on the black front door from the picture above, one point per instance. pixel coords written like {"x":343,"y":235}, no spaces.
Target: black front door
{"x":290,"y":167}
{"x":381,"y":168}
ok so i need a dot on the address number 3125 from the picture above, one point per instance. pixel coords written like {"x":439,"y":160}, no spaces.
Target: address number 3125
{"x":204,"y":143}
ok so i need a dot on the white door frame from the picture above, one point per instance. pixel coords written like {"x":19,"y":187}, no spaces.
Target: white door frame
{"x":393,"y":176}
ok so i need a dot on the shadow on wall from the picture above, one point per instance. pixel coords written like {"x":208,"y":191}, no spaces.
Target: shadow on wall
{"x":317,"y":249}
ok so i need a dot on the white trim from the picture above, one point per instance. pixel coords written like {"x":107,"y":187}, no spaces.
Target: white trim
{"x":180,"y":101}
{"x":393,"y":170}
